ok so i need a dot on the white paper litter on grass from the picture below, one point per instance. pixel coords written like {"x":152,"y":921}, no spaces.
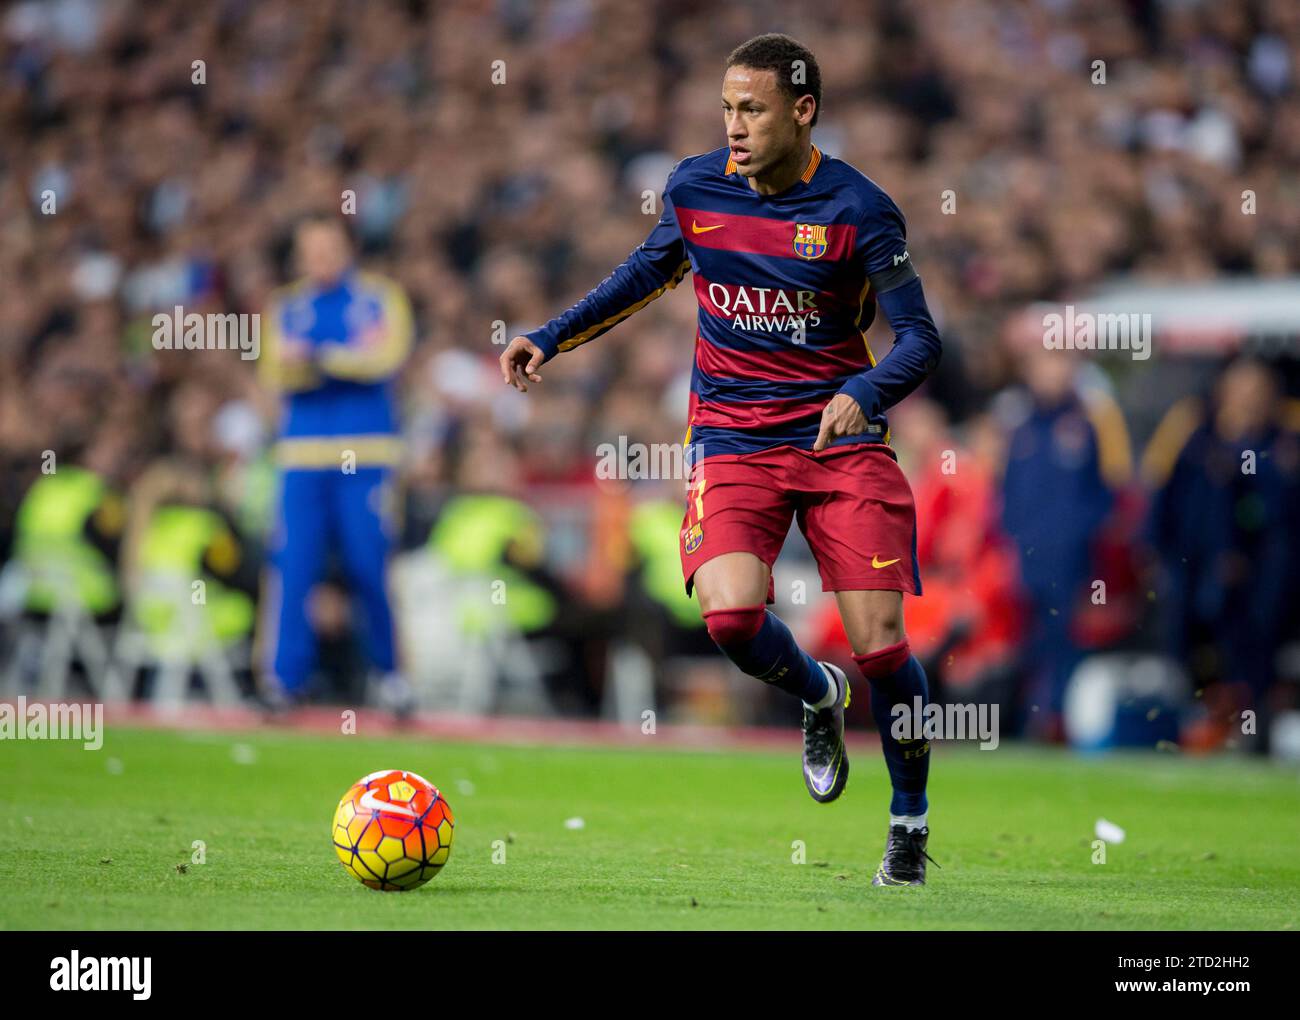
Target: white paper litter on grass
{"x":1109,"y":831}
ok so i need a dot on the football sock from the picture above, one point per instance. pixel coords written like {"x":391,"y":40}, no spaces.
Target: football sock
{"x":909,"y":822}
{"x":762,"y":646}
{"x":833,"y":694}
{"x":896,"y":677}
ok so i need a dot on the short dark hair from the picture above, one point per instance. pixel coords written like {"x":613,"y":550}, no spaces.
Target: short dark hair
{"x":782,"y":55}
{"x":317,"y":216}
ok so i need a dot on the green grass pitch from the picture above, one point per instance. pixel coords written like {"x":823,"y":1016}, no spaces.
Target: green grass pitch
{"x":672,"y":838}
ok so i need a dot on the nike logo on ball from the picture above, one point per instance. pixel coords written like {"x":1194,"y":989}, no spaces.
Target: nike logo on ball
{"x":370,"y":802}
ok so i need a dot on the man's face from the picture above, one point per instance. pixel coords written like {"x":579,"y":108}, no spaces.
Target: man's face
{"x":323,"y":253}
{"x":1247,"y":399}
{"x":762,"y":123}
{"x":1049,"y":375}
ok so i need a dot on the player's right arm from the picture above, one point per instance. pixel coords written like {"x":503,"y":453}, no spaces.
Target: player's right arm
{"x":657,"y":265}
{"x":284,"y":364}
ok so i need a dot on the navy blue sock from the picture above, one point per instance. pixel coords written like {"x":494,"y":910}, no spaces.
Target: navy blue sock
{"x":762,"y":646}
{"x":896,"y":677}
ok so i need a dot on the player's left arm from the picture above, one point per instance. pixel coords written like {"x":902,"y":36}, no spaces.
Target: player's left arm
{"x":381,"y":348}
{"x":917,"y":348}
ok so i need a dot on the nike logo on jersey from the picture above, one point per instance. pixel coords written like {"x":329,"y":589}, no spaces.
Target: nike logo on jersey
{"x":697,"y":229}
{"x":875,"y":562}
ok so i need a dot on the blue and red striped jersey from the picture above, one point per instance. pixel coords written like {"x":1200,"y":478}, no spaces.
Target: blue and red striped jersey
{"x":787,"y":286}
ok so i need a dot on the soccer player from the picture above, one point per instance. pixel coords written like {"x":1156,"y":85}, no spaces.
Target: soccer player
{"x":335,"y":341}
{"x":792,"y":250}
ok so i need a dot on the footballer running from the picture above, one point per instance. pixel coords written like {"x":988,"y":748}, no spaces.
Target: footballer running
{"x":791,"y":252}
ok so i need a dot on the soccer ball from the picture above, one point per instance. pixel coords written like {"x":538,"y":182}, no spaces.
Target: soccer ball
{"x":392,"y":830}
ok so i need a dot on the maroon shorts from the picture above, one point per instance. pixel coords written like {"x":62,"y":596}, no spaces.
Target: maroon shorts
{"x":853,"y":505}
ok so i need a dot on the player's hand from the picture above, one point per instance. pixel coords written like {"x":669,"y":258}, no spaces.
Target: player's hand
{"x":520,"y":362}
{"x":841,"y":417}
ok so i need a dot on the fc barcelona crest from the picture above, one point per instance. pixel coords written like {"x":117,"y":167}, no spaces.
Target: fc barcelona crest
{"x":694,"y":538}
{"x":810,"y":240}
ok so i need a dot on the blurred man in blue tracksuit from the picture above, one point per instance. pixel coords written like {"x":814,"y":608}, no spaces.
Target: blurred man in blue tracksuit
{"x":332,"y":344}
{"x":1068,"y":453}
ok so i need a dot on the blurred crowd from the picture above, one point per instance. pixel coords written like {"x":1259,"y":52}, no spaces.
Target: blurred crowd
{"x":497,"y":154}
